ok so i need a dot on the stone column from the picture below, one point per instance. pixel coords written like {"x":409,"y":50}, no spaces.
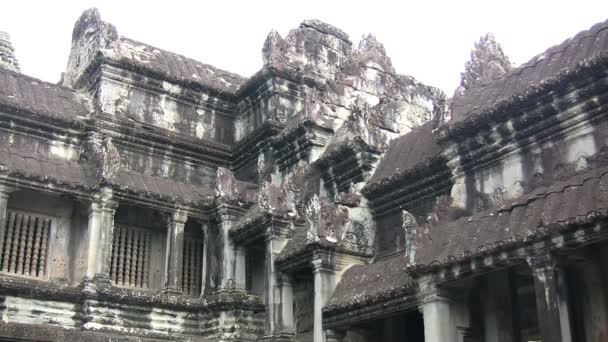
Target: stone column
{"x":240,"y":267}
{"x":4,"y":194}
{"x":436,"y":310}
{"x":287,"y":318}
{"x":99,"y":237}
{"x":205,"y":251}
{"x":326,"y":280}
{"x":226,"y":219}
{"x":175,"y":252}
{"x":551,"y":298}
{"x":274,"y":245}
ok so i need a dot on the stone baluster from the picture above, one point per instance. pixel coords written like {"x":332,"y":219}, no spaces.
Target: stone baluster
{"x":146,"y":265}
{"x":22,"y":240}
{"x":46,"y":227}
{"x":121,"y":256}
{"x":140,"y":258}
{"x":115,"y":252}
{"x":14,"y":243}
{"x":27,"y":266}
{"x":186,"y":267}
{"x":128,"y":254}
{"x":37,"y":242}
{"x":6,"y":245}
{"x":175,"y":250}
{"x":551,"y":298}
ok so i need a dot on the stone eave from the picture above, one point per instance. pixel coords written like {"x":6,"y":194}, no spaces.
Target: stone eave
{"x":371,"y":308}
{"x":173,"y":144}
{"x":555,"y":238}
{"x":501,"y":111}
{"x":304,"y":136}
{"x":539,"y":123}
{"x":18,"y":180}
{"x":304,"y":255}
{"x":141,"y":68}
{"x":344,"y":150}
{"x":428,"y":168}
{"x":50,"y":333}
{"x":22,"y":180}
{"x":269,"y":71}
{"x":42,"y":290}
{"x":247,"y":149}
{"x":199,"y":209}
{"x":48,"y":120}
{"x":261,"y":226}
{"x":401,"y":194}
{"x":188,"y":96}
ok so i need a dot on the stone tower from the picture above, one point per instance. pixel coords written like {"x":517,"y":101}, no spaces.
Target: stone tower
{"x":7,"y":53}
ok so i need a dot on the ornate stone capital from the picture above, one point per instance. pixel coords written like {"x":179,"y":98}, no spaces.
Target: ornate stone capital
{"x":179,"y":216}
{"x":5,"y":191}
{"x":103,"y":202}
{"x":543,"y":262}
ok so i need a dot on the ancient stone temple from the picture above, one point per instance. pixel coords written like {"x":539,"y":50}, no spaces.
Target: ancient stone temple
{"x":151,"y":197}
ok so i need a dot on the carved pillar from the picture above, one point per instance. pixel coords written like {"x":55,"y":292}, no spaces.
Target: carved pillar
{"x":240,"y":267}
{"x":551,"y":298}
{"x":287,"y":318}
{"x":205,"y":251}
{"x":100,"y":234}
{"x":326,"y":280}
{"x":437,"y":313}
{"x":175,"y":252}
{"x":226,"y":219}
{"x":273,"y":246}
{"x":4,"y":194}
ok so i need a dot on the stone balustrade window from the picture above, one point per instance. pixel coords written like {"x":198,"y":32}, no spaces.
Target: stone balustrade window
{"x":192,"y":266}
{"x":24,"y":240}
{"x":131,"y":247}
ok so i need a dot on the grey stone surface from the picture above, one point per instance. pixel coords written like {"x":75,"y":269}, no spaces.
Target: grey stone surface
{"x":326,"y":198}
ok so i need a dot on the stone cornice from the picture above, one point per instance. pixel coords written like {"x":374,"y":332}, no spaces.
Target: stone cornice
{"x":593,"y":68}
{"x":139,"y":136}
{"x":295,"y":143}
{"x":373,"y":308}
{"x":154,"y":85}
{"x":221,"y":300}
{"x":554,"y":239}
{"x":303,"y":257}
{"x":142,"y":69}
{"x":538,"y":124}
{"x":401,"y":191}
{"x":248,"y":148}
{"x":262,"y":226}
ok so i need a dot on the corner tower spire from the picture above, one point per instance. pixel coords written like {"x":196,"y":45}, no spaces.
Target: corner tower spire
{"x":7,"y":53}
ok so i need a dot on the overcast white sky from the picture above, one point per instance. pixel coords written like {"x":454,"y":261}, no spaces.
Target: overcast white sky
{"x":430,"y":40}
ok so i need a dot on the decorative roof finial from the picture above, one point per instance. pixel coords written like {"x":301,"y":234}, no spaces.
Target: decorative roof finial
{"x":7,"y":53}
{"x":487,"y":63}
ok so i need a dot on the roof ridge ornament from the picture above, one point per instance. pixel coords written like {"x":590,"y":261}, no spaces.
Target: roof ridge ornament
{"x":7,"y":53}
